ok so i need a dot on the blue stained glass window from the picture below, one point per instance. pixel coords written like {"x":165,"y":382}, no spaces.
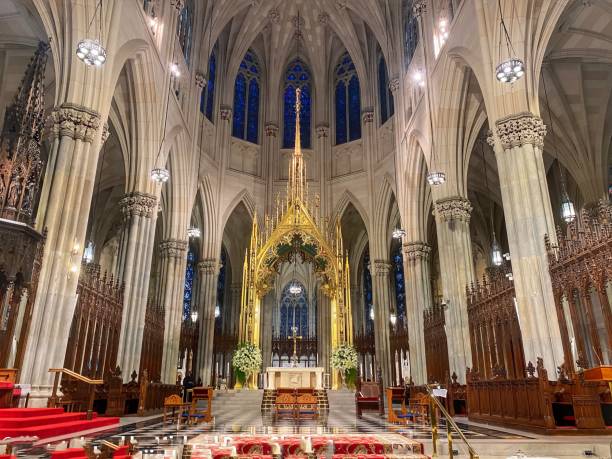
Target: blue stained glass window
{"x":367,"y":293}
{"x":246,"y":99}
{"x":239,"y":106}
{"x":384,"y":93}
{"x":297,"y":75}
{"x":400,"y":285}
{"x":294,"y":310}
{"x":184,"y":29}
{"x":411,"y":32}
{"x":188,"y":292}
{"x":348,"y":101}
{"x":208,"y":94}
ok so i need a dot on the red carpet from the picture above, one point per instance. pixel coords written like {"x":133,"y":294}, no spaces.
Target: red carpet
{"x":47,"y":422}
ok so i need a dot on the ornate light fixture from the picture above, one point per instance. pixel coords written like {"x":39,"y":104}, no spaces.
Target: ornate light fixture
{"x":90,"y":50}
{"x":175,"y":70}
{"x":193,"y":232}
{"x":88,"y":254}
{"x":295,"y":289}
{"x":372,"y":313}
{"x":418,"y":78}
{"x":393,"y":319}
{"x":194,"y":316}
{"x":217,"y":311}
{"x":160,"y":175}
{"x":436,"y":178}
{"x":496,"y":252}
{"x":568,"y":213}
{"x":513,"y":68}
{"x":398,"y":233}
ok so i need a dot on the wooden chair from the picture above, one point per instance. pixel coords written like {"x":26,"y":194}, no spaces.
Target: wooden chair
{"x":416,"y":409}
{"x":284,"y":405}
{"x":173,"y":408}
{"x":201,"y":404}
{"x":394,"y":395}
{"x":307,"y":406}
{"x":369,"y":397}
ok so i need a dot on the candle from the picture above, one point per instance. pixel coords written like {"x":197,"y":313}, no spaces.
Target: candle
{"x":234,"y":452}
{"x":276,"y":449}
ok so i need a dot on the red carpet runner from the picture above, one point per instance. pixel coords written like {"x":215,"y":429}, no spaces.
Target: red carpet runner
{"x":47,"y":422}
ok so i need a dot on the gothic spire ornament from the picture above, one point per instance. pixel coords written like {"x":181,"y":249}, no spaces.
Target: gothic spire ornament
{"x":20,"y":162}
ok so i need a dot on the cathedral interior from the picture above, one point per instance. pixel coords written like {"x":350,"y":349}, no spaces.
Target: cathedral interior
{"x":305,"y":228}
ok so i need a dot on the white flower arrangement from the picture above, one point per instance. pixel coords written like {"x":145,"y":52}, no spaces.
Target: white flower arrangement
{"x":344,"y":357}
{"x":247,"y":358}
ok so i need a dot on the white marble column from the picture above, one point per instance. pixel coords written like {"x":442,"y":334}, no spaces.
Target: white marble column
{"x":418,"y":298}
{"x":528,"y":216}
{"x":173,"y":257}
{"x":381,"y":291}
{"x":64,"y":212}
{"x":208,"y":270}
{"x":457,"y":271}
{"x":134,"y":270}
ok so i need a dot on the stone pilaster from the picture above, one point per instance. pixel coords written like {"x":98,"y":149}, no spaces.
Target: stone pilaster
{"x":418,"y":298}
{"x":323,"y":148}
{"x":173,"y":256}
{"x":381,"y":291}
{"x":267,"y":315}
{"x":134,"y":270}
{"x":63,"y":211}
{"x":457,"y":270}
{"x":270,"y":151}
{"x":528,"y":216}
{"x":208,"y":270}
{"x":323,"y":331}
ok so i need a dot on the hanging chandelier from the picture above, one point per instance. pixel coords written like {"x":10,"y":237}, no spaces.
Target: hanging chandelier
{"x":194,"y":316}
{"x":372,"y":313}
{"x":513,"y":68}
{"x":393,"y":318}
{"x":88,"y":253}
{"x":436,"y":178}
{"x":398,"y":233}
{"x":295,"y":289}
{"x":496,"y":252}
{"x":160,"y":175}
{"x":568,"y":213}
{"x":193,"y":232}
{"x":90,"y":50}
{"x":217,"y":311}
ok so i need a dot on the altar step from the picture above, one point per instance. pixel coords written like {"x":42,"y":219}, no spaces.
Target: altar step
{"x":342,"y":405}
{"x":269,"y":396}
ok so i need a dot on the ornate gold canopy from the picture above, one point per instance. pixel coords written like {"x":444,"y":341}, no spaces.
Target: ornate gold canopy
{"x":296,"y":229}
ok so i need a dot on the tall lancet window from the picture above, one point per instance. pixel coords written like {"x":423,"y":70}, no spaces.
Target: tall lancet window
{"x":411,"y":32}
{"x":400,"y":285}
{"x":208,"y":94}
{"x":184,"y":29}
{"x":348,"y":101}
{"x":294,"y":311}
{"x":297,"y":76}
{"x":189,"y":277}
{"x":384,"y":93}
{"x":246,"y":99}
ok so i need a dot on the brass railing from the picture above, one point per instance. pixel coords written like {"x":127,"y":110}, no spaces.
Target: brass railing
{"x":450,"y":426}
{"x":92,"y":383}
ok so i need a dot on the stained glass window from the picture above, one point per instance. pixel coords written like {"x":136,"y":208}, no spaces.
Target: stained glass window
{"x":384,"y":93}
{"x":348,"y":101}
{"x":411,"y":32}
{"x":184,"y":29}
{"x":294,"y":310}
{"x":297,"y":75}
{"x":246,"y":99}
{"x":208,"y":94}
{"x":367,"y":293}
{"x":400,"y":285}
{"x":189,"y":275}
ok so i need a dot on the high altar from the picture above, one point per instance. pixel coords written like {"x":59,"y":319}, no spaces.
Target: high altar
{"x":294,"y":378}
{"x":297,"y":229}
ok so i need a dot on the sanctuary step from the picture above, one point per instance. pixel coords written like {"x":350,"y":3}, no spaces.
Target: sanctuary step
{"x":341,"y":404}
{"x":47,"y":422}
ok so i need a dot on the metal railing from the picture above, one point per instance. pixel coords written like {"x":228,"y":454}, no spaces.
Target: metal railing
{"x":91,"y":383}
{"x":450,"y":426}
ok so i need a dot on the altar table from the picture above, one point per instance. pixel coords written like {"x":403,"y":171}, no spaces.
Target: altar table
{"x":294,"y":378}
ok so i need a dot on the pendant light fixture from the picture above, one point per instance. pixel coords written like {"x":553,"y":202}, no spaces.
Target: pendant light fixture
{"x":513,"y":68}
{"x":193,"y":232}
{"x":90,"y":50}
{"x":568,"y":212}
{"x":398,"y":233}
{"x":434,"y":177}
{"x":194,"y":316}
{"x":496,"y":251}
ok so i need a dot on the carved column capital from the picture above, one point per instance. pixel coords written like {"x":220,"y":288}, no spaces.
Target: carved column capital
{"x":173,"y":248}
{"x":418,"y":250}
{"x":367,"y":115}
{"x":274,"y":15}
{"x":394,"y":84}
{"x":381,"y":268}
{"x":323,"y":18}
{"x":207,"y":266}
{"x":322,"y":130}
{"x":200,"y":80}
{"x":271,"y":129}
{"x":226,"y":113}
{"x":74,"y":121}
{"x":105,"y":133}
{"x":453,"y":208}
{"x":138,"y":204}
{"x":521,"y":129}
{"x":178,"y":5}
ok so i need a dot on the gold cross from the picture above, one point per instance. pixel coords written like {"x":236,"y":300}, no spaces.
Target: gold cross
{"x":294,"y":336}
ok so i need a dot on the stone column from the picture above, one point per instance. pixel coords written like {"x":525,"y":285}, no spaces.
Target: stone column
{"x":528,"y":216}
{"x":270,"y":150}
{"x":267,"y":313}
{"x":173,"y":256}
{"x":323,"y":147}
{"x":134,"y":270}
{"x":457,"y":271}
{"x":381,"y":291}
{"x":357,"y":309}
{"x":64,"y":211}
{"x":418,"y":299}
{"x":235,"y":300}
{"x":209,"y":272}
{"x":323,"y":331}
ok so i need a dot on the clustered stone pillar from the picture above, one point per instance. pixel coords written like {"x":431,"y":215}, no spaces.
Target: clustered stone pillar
{"x":173,"y":257}
{"x":528,"y":216}
{"x":134,"y":268}
{"x":323,"y":330}
{"x":418,"y":298}
{"x":209,"y":271}
{"x":381,"y":290}
{"x":64,"y":211}
{"x":267,"y":315}
{"x":457,"y":271}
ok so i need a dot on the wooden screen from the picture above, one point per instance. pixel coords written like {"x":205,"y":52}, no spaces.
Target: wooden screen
{"x":94,"y":334}
{"x":436,"y":347}
{"x":153,"y":341}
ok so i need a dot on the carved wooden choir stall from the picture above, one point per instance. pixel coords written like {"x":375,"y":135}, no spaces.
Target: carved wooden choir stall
{"x":436,"y":348}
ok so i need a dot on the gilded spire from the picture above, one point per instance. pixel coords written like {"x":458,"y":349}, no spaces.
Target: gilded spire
{"x":297,"y":171}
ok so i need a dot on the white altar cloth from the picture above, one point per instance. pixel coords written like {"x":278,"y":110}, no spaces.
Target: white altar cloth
{"x":295,"y":378}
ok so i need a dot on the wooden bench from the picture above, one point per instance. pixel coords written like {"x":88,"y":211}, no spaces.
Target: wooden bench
{"x":284,"y":405}
{"x":307,"y":406}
